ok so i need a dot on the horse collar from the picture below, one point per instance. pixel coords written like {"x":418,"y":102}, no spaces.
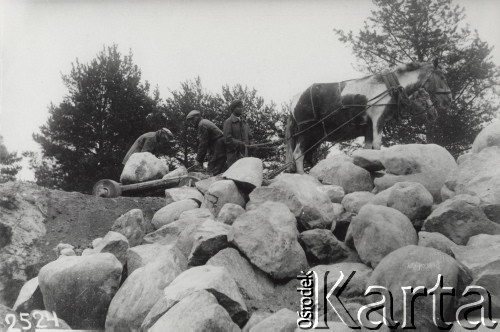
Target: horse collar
{"x":392,"y":83}
{"x":396,"y":91}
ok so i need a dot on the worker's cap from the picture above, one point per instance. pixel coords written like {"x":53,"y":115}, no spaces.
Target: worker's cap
{"x":192,"y":114}
{"x":235,"y":103}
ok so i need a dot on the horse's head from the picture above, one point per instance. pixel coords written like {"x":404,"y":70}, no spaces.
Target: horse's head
{"x":434,"y":82}
{"x":421,"y":105}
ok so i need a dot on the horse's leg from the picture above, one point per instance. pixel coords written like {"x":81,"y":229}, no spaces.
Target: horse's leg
{"x":368,"y":136}
{"x":298,"y":155}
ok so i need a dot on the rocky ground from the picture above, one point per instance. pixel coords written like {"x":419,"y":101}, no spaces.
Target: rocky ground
{"x":225,"y":255}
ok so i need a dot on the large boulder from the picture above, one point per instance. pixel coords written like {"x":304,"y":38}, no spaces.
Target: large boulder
{"x":214,"y":279}
{"x":368,"y":159}
{"x":336,"y":321}
{"x":30,"y":297}
{"x":334,"y":192}
{"x":252,"y":282}
{"x":280,"y":195}
{"x":114,"y":243}
{"x":481,"y":328}
{"x":353,"y":202}
{"x":170,"y":233}
{"x":187,"y":237}
{"x":356,"y":286}
{"x":256,"y":318}
{"x":246,"y":173}
{"x":220,"y":193}
{"x":321,"y":246}
{"x":482,"y":240}
{"x":413,"y":266}
{"x":203,"y":184}
{"x":437,"y":241}
{"x":483,"y":264}
{"x":132,"y":225}
{"x":410,"y":198}
{"x":492,"y":211}
{"x":268,"y":237}
{"x":198,"y":311}
{"x":283,"y":320}
{"x":229,"y":213}
{"x":459,"y":219}
{"x":197,"y":213}
{"x":342,"y":172}
{"x":317,"y":209}
{"x":143,"y":288}
{"x":489,"y":136}
{"x":142,"y":255}
{"x":172,"y":212}
{"x":80,"y":288}
{"x":182,"y":193}
{"x":478,"y":175}
{"x":209,"y":238}
{"x":378,"y":230}
{"x":141,"y":167}
{"x":427,"y":164}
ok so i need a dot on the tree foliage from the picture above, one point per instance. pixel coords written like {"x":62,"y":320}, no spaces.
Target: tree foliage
{"x":422,"y":30}
{"x":9,"y":164}
{"x":87,"y":135}
{"x":265,"y":120}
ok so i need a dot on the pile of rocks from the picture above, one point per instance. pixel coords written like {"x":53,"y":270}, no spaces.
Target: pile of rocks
{"x":399,"y":217}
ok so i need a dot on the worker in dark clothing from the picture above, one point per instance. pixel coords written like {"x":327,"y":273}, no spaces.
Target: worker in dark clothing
{"x":236,"y":133}
{"x":211,"y":141}
{"x":149,"y":142}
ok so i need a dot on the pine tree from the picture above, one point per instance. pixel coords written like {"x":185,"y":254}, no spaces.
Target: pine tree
{"x":9,"y":163}
{"x":87,"y":135}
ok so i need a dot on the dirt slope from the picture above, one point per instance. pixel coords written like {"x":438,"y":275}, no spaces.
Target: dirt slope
{"x":34,"y":220}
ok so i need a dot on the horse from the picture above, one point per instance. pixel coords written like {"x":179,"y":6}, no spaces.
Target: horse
{"x":361,"y":107}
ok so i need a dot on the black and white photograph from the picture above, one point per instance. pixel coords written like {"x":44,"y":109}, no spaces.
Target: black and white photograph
{"x":256,"y":166}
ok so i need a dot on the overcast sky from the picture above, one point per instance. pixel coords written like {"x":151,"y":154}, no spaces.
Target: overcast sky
{"x":278,"y":47}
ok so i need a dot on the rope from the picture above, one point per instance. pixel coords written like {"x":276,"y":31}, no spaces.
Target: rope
{"x":265,"y":144}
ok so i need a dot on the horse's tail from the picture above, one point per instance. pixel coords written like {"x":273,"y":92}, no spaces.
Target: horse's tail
{"x":291,"y":142}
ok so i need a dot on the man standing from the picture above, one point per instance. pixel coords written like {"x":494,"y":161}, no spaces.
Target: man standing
{"x":211,"y":140}
{"x":149,"y":142}
{"x":235,"y":133}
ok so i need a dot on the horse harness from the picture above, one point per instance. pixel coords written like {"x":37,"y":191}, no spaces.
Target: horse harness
{"x":394,"y":89}
{"x":397,"y":92}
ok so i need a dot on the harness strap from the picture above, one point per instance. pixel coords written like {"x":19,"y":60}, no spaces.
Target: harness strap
{"x":316,"y":117}
{"x":312,"y":102}
{"x":397,"y":92}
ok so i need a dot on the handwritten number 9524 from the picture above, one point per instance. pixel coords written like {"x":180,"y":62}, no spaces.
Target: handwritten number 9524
{"x":41,"y":318}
